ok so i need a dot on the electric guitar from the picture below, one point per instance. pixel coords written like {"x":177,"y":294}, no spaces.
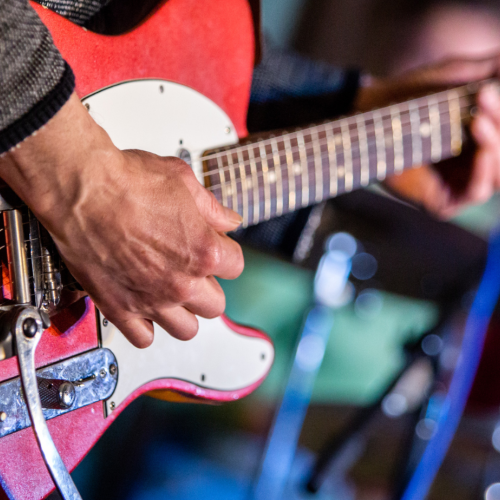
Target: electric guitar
{"x":179,"y":84}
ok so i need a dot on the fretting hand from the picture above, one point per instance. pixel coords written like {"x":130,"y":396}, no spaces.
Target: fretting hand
{"x":138,"y":231}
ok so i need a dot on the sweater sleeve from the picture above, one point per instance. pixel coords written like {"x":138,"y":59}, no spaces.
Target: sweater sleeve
{"x":35,"y":82}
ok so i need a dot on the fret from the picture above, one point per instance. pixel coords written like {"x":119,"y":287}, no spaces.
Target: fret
{"x":363,"y":151}
{"x":255,"y":185}
{"x":232,"y":191}
{"x":265,"y":179}
{"x":222,"y":177}
{"x":346,"y":141}
{"x":244,"y":187}
{"x":455,"y":122}
{"x":318,"y":165}
{"x":380,"y":143}
{"x":332,"y":157}
{"x":279,"y":177}
{"x":435,"y":121}
{"x":291,"y":173}
{"x":304,"y":196}
{"x":397,"y":139}
{"x":416,"y":138}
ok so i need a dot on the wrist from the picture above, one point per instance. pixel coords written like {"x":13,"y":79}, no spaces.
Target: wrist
{"x":48,"y":169}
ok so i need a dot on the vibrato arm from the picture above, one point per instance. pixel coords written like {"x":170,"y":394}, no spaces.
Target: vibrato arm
{"x":27,"y":328}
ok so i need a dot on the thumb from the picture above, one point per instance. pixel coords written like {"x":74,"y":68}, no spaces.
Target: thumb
{"x":220,"y":218}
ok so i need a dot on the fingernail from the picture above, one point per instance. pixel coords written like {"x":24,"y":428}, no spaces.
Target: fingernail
{"x":233,"y":217}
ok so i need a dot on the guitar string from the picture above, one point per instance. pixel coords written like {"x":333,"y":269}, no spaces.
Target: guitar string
{"x":407,"y":137}
{"x":350,"y":119}
{"x":354,"y":135}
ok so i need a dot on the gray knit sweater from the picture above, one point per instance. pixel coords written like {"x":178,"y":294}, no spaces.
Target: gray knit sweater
{"x":35,"y":82}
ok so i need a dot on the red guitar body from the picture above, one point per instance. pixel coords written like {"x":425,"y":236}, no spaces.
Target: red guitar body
{"x":203,"y":44}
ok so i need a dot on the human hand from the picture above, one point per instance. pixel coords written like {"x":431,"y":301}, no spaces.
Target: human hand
{"x":471,"y":178}
{"x":138,"y":231}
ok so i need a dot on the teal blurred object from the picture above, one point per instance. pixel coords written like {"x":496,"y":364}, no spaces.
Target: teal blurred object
{"x":364,"y":351}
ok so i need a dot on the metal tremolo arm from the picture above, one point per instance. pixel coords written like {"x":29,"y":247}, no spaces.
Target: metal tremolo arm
{"x":24,"y":324}
{"x":27,"y":328}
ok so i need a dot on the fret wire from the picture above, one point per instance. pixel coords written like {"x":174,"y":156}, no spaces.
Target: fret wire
{"x":363,"y":149}
{"x":380,"y":145}
{"x":222,"y":182}
{"x":332,"y":157}
{"x":244,"y":188}
{"x":416,"y":145}
{"x":455,"y":123}
{"x":304,"y":194}
{"x":291,"y":173}
{"x":346,"y":143}
{"x":279,"y":177}
{"x":265,"y":179}
{"x":232,"y":177}
{"x":334,"y":124}
{"x":255,"y":185}
{"x":435,"y":121}
{"x":318,"y":168}
{"x":397,"y":138}
{"x":386,"y":110}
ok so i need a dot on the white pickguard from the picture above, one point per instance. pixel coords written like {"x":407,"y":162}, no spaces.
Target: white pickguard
{"x":162,"y":118}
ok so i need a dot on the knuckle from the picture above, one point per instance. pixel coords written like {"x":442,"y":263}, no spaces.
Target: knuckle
{"x":182,"y":292}
{"x":209,"y":257}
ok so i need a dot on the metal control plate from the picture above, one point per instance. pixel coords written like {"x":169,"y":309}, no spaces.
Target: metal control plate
{"x":90,"y":373}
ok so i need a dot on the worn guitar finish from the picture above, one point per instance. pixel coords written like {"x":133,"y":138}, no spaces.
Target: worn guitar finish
{"x":173,"y":87}
{"x":186,"y":41}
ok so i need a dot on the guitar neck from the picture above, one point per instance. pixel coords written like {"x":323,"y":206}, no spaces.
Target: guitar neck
{"x":270,"y":176}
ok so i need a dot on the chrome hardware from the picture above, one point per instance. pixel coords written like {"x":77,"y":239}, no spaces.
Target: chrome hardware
{"x":18,"y":265}
{"x":56,"y":394}
{"x":81,"y":371}
{"x":36,"y":259}
{"x":184,"y":155}
{"x":25,"y":322}
{"x":51,"y":287}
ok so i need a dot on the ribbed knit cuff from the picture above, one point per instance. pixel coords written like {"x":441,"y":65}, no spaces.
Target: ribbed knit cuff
{"x":40,"y":113}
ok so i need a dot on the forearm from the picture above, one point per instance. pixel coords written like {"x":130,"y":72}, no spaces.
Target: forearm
{"x":34,"y":80}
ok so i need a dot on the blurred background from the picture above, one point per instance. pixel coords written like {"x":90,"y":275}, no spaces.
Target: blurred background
{"x":386,"y":311}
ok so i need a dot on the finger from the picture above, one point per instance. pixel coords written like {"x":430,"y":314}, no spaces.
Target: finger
{"x":208,"y":300}
{"x":137,"y":330}
{"x":422,"y":186}
{"x":488,"y":100}
{"x":484,"y":132}
{"x":480,"y":187}
{"x":222,"y":219}
{"x":178,"y":322}
{"x":227,"y":258}
{"x":455,"y":72}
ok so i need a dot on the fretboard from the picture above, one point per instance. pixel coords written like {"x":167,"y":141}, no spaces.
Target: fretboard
{"x":267,"y":177}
